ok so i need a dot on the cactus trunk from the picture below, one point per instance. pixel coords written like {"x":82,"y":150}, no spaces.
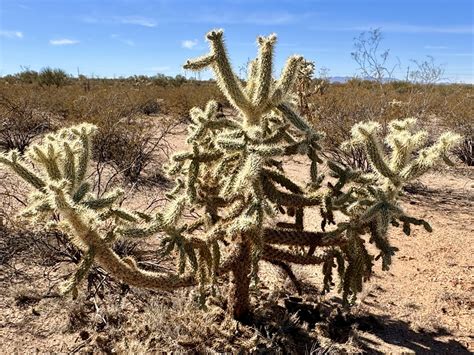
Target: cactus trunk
{"x":238,"y":298}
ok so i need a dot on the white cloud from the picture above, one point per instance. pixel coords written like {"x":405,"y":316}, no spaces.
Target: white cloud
{"x":123,"y":20}
{"x":62,"y":42}
{"x":211,"y":17}
{"x":136,"y":20}
{"x":454,"y":54}
{"x":281,"y":18}
{"x":11,"y":34}
{"x":435,"y":47}
{"x":128,"y":42}
{"x":189,"y":43}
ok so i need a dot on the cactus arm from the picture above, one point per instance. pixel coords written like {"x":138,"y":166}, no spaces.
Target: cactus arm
{"x":200,"y":63}
{"x":428,"y":157}
{"x":123,"y":269}
{"x":13,"y":161}
{"x":297,"y":121}
{"x":282,"y":180}
{"x":85,"y":133}
{"x":287,"y":79}
{"x":83,"y":269}
{"x":366,"y":133}
{"x":287,"y":199}
{"x":69,"y":165}
{"x":48,"y":160}
{"x":264,"y":73}
{"x":103,"y":202}
{"x":226,"y":79}
{"x":252,"y":76}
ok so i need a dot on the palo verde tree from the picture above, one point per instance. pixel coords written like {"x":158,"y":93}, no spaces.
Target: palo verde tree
{"x":233,"y":177}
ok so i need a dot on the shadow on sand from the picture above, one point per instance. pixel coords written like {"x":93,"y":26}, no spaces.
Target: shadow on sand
{"x":399,"y":334}
{"x":374,"y":335}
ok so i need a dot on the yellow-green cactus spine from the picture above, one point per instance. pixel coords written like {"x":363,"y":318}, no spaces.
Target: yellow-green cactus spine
{"x":261,"y":92}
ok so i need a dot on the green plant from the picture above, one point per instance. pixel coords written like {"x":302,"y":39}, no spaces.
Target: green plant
{"x":27,"y":76}
{"x":233,"y":177}
{"x":49,"y":76}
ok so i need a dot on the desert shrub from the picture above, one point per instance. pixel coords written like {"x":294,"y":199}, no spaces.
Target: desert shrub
{"x":27,"y":76}
{"x":129,"y":145}
{"x":401,"y":86}
{"x":338,"y":110}
{"x":127,"y":141}
{"x":150,"y":107}
{"x":178,"y":101}
{"x":465,"y":151}
{"x":161,"y":80}
{"x":20,"y":123}
{"x":52,"y":76}
{"x":436,"y":107}
{"x":87,"y":99}
{"x":374,"y":63}
{"x":232,"y":177}
{"x":454,"y":108}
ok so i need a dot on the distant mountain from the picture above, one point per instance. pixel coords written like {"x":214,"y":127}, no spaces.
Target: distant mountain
{"x":339,"y":79}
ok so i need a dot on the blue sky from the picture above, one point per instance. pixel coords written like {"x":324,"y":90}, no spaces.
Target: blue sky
{"x":126,"y":37}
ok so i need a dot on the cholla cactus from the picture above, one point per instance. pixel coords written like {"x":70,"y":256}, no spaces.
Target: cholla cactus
{"x":60,"y":187}
{"x":306,"y":86}
{"x":233,"y":177}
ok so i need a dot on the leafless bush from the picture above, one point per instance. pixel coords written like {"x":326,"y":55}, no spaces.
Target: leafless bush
{"x":20,"y":123}
{"x":426,"y":71}
{"x":129,"y":146}
{"x":150,"y":107}
{"x":373,"y":63}
{"x":465,"y":151}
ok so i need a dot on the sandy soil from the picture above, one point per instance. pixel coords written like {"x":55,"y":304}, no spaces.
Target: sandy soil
{"x":424,"y":304}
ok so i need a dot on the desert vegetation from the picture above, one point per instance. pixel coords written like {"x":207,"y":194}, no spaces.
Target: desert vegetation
{"x":177,"y":198}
